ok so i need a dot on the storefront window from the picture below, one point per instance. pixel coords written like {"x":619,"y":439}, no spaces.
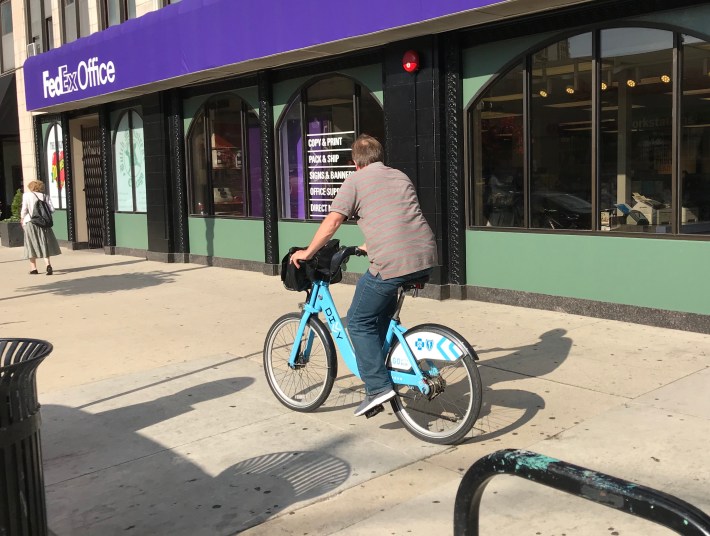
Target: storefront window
{"x":635,"y":130}
{"x":498,"y":153}
{"x":561,"y":135}
{"x":569,"y":146}
{"x":695,"y":138}
{"x":315,"y":136}
{"x":39,"y":18}
{"x":129,"y":158}
{"x":117,"y":11}
{"x":54,"y":162}
{"x":6,"y":44}
{"x":224,"y":153}
{"x":75,"y":19}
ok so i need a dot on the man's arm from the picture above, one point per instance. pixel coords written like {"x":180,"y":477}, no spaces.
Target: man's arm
{"x":325,"y":232}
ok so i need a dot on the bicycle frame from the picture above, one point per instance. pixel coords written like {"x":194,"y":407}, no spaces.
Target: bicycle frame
{"x":321,"y":300}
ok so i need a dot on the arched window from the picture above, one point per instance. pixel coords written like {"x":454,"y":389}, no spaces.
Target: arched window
{"x":553,"y":150}
{"x":54,"y":165}
{"x":129,"y":161}
{"x":224,"y":154}
{"x":315,"y":135}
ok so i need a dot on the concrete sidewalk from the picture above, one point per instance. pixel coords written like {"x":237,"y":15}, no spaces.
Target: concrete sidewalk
{"x":157,"y":418}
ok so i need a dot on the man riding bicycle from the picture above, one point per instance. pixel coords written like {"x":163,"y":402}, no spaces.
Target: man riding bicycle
{"x":400,"y":246}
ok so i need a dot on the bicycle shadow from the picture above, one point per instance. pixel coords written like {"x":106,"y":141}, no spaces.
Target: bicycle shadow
{"x":504,"y":410}
{"x":104,"y":474}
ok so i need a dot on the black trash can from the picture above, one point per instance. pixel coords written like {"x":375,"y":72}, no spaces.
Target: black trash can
{"x":23,"y":510}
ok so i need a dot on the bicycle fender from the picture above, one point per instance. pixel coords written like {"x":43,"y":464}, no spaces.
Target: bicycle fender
{"x":426,"y":342}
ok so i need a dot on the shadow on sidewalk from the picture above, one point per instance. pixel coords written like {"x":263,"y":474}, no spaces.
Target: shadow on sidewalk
{"x":505,"y":410}
{"x":104,"y":473}
{"x":98,"y":284}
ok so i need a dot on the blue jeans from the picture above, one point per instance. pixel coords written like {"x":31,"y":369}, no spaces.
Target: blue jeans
{"x":374,"y":302}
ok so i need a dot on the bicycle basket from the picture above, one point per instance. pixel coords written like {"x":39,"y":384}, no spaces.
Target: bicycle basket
{"x":294,"y":278}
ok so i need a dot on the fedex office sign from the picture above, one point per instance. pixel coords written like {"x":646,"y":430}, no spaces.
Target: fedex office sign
{"x":87,"y":74}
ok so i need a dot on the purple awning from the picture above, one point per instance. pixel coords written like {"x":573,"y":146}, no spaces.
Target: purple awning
{"x":201,"y":36}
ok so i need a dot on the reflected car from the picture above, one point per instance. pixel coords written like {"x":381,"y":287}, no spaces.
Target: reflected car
{"x":559,"y":210}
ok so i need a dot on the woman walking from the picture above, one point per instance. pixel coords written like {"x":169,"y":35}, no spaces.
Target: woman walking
{"x":39,"y":241}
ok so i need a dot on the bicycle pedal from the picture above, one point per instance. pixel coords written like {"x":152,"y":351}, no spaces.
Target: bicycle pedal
{"x":374,"y":411}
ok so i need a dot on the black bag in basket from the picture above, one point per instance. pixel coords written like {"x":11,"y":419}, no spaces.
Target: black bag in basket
{"x":294,"y":278}
{"x":320,"y":266}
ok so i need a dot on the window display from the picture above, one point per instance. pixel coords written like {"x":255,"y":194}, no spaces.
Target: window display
{"x":225,"y":160}
{"x":129,"y":159}
{"x":54,"y":161}
{"x":498,"y":153}
{"x":316,"y":134}
{"x":561,"y":135}
{"x":609,"y":146}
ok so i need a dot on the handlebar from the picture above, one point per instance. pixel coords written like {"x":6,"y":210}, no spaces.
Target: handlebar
{"x":343,"y":254}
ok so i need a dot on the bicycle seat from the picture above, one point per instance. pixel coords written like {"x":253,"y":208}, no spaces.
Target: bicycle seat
{"x":415,"y":283}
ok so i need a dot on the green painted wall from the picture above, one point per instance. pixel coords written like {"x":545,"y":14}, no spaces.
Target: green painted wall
{"x":131,"y":230}
{"x":191,"y":106}
{"x":370,"y":76}
{"x":663,"y":274}
{"x":648,"y":272}
{"x":482,"y":63}
{"x":60,"y":227}
{"x":695,"y":19}
{"x":227,"y":238}
{"x":300,"y":234}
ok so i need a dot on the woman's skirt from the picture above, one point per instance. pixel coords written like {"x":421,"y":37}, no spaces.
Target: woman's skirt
{"x":40,"y":242}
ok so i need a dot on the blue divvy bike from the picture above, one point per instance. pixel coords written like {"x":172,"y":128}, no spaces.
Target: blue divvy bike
{"x":432,"y":368}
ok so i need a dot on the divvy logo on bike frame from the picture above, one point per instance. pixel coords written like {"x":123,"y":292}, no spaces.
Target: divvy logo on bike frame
{"x":87,"y":74}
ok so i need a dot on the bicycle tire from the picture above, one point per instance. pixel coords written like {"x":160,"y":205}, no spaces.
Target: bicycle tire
{"x":447,"y":418}
{"x":307,"y":386}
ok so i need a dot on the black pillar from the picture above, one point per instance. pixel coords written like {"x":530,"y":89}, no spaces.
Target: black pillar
{"x":107,"y":179}
{"x":157,"y":177}
{"x":178,"y":184}
{"x":268,"y":170}
{"x":454,"y":176}
{"x":68,"y":178}
{"x":39,"y":146}
{"x":413,"y":133}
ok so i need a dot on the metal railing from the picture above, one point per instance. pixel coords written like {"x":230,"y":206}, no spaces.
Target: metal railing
{"x":622,"y":495}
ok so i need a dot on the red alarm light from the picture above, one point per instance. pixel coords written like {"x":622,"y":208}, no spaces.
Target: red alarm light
{"x":410,"y":61}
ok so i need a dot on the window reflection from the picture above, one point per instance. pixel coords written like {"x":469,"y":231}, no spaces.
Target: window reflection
{"x":315,"y":137}
{"x":695,"y":138}
{"x":224,"y":175}
{"x":291,"y":139}
{"x":634,"y":187}
{"x":129,"y":161}
{"x":499,"y":153}
{"x":635,"y":137}
{"x":561,"y":135}
{"x":6,"y":44}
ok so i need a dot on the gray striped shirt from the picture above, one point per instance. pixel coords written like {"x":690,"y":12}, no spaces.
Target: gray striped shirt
{"x":399,"y":239}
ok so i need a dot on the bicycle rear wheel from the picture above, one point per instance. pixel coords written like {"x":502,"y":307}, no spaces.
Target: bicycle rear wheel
{"x":305,"y":386}
{"x":447,"y":414}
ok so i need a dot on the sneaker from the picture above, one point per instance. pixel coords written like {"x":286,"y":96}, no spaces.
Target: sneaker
{"x":372,"y":401}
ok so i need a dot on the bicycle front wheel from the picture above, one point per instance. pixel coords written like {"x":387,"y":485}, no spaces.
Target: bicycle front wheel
{"x":447,"y":361}
{"x":306,"y":385}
